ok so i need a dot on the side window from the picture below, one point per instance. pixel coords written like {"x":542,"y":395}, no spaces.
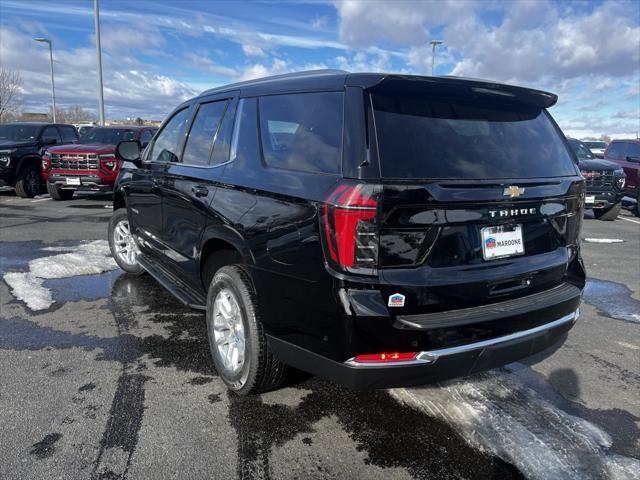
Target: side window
{"x":223,"y":138}
{"x":145,"y":137}
{"x":168,"y":142}
{"x":245,"y":149}
{"x":633,"y":150}
{"x":615,"y":150}
{"x":51,"y":132}
{"x":203,"y":133}
{"x":302,"y":131}
{"x":68,"y":134}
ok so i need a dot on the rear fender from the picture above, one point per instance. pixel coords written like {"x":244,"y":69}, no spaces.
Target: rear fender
{"x":230,"y":236}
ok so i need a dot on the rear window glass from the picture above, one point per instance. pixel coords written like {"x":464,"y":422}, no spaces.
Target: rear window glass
{"x":580,"y":149}
{"x":596,"y":144}
{"x":107,"y":136}
{"x":302,"y":131}
{"x":462,"y":139}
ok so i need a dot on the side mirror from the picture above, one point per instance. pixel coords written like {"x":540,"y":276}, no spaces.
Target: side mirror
{"x":633,"y":158}
{"x":129,"y":151}
{"x":49,"y":141}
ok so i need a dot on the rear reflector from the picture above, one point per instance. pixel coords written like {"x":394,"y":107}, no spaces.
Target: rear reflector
{"x":386,"y":357}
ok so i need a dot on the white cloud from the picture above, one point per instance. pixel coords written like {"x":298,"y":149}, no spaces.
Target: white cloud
{"x":130,"y":89}
{"x":320,"y":23}
{"x":253,"y":50}
{"x":533,"y":40}
{"x":202,"y":62}
{"x":365,"y":61}
{"x":403,"y":22}
{"x":258,"y":70}
{"x":277,"y":67}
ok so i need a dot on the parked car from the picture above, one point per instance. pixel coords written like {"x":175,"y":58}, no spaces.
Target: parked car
{"x":604,"y":179}
{"x":21,"y":148}
{"x":90,"y":164}
{"x":626,"y":153}
{"x":596,"y":147}
{"x":378,"y":230}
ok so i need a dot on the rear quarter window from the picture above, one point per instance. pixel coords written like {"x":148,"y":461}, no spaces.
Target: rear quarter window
{"x":615,"y":150}
{"x":440,"y":138}
{"x":302,"y":131}
{"x":633,"y":150}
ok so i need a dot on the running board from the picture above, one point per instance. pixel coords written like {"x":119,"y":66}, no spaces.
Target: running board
{"x":174,"y":285}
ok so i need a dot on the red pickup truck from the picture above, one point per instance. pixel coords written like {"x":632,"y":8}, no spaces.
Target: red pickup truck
{"x":91,"y":163}
{"x":626,"y":153}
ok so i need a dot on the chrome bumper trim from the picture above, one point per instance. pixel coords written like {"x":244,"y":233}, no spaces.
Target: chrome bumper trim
{"x":429,"y":357}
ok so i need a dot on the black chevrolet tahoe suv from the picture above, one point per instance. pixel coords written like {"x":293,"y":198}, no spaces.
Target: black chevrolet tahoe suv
{"x":378,"y":230}
{"x":22,"y":145}
{"x":604,"y":180}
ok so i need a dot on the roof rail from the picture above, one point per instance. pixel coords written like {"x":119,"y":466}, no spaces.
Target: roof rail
{"x":284,"y":76}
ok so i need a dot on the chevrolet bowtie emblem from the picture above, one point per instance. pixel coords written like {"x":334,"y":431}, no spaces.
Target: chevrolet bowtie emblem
{"x":513,"y":191}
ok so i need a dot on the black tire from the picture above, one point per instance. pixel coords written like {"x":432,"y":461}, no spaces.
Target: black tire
{"x":260,"y":371}
{"x":58,"y":193}
{"x":637,"y":210}
{"x":608,"y":214}
{"x":29,"y":182}
{"x":118,"y":216}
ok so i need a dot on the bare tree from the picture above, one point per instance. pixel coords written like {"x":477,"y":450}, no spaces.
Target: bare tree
{"x":10,"y":87}
{"x":605,"y":138}
{"x":73,"y":114}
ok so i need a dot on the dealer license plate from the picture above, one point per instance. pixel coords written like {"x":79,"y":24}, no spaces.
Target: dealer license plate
{"x":590,"y":199}
{"x":73,"y":181}
{"x":502,"y":241}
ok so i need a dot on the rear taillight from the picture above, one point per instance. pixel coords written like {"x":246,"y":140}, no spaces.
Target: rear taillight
{"x":351,"y":230}
{"x":385,"y":357}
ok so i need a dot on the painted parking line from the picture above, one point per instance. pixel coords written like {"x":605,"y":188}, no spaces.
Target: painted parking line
{"x":629,"y":220}
{"x":40,"y":200}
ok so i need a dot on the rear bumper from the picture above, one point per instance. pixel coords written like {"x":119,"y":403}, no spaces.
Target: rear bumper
{"x":432,"y":365}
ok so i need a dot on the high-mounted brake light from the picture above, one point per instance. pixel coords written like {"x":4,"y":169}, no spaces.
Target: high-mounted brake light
{"x":350,"y":227}
{"x":385,"y":357}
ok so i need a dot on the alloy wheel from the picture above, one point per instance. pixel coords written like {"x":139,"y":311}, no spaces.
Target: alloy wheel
{"x":228,"y":331}
{"x":125,"y":246}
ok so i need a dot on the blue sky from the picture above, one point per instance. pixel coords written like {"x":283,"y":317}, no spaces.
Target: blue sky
{"x":158,"y":53}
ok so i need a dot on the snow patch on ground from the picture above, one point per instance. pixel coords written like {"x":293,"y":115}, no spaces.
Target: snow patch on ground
{"x":497,"y":412}
{"x":28,"y":288}
{"x":90,"y":258}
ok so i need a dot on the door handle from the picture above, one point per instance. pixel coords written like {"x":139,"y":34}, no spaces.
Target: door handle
{"x":200,"y":191}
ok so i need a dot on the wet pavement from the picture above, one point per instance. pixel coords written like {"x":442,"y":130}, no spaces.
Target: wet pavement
{"x":112,"y":379}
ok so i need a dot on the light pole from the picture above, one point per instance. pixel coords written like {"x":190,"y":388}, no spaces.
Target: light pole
{"x":53,"y":85}
{"x":434,"y":44}
{"x":96,"y":10}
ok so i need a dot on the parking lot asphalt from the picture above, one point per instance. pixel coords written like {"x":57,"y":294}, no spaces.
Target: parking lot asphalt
{"x":107,"y":376}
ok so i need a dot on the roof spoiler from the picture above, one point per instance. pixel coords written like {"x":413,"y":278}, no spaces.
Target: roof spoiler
{"x":444,"y":86}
